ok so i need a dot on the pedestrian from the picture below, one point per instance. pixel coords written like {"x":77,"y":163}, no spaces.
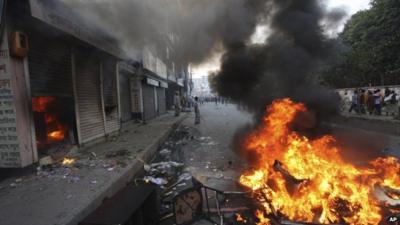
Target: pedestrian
{"x":177,"y":104}
{"x":378,"y":102}
{"x":354,"y":102}
{"x":370,"y":102}
{"x":196,"y":110}
{"x":362,"y":101}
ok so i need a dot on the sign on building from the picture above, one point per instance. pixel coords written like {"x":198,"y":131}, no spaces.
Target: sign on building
{"x":9,"y":145}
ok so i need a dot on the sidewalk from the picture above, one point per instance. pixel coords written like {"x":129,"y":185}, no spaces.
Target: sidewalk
{"x":67,"y":194}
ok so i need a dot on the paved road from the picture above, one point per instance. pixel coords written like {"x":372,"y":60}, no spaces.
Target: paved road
{"x":210,"y":156}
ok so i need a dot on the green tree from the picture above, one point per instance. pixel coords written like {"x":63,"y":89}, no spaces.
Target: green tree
{"x":373,"y":36}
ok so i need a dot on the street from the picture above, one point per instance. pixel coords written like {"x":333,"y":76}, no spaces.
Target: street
{"x":211,"y":157}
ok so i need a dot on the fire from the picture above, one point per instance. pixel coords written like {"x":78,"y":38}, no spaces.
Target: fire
{"x":55,"y":129}
{"x":240,"y":219}
{"x":307,"y":180}
{"x":68,"y":161}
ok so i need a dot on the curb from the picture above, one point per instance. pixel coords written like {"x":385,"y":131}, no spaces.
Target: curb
{"x":130,"y":172}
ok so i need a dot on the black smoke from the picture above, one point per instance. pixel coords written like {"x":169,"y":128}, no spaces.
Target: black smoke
{"x":287,"y":64}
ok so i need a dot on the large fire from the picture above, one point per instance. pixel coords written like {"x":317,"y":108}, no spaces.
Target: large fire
{"x":55,"y":129}
{"x":307,"y":180}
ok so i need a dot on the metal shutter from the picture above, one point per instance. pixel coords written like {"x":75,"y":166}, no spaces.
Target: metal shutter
{"x":162,"y":107}
{"x":149,"y":102}
{"x":125,"y":95}
{"x":88,"y":98}
{"x":50,"y":67}
{"x":109,"y":75}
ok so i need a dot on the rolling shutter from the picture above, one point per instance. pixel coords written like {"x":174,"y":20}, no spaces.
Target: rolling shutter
{"x":88,"y":98}
{"x":162,"y":107}
{"x":125,"y":95}
{"x":50,"y":68}
{"x":110,"y":95}
{"x":149,"y":102}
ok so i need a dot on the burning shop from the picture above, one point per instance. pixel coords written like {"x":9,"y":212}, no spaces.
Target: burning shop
{"x":63,"y":80}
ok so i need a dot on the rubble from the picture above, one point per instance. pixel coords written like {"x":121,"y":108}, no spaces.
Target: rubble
{"x":154,"y":180}
{"x":46,"y":161}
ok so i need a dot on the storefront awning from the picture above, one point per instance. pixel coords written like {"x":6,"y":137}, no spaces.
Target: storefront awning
{"x":163,"y":84}
{"x":152,"y":82}
{"x":60,"y":16}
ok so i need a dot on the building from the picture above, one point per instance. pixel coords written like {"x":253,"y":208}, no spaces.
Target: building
{"x":66,"y":82}
{"x":201,"y":87}
{"x":58,"y":85}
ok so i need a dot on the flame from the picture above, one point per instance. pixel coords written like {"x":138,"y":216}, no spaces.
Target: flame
{"x":239,"y":218}
{"x":68,"y":161}
{"x":307,"y":180}
{"x":55,"y":129}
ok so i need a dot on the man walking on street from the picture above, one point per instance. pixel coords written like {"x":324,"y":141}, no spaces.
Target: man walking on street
{"x":354,"y":102}
{"x":177,"y":104}
{"x":196,"y":110}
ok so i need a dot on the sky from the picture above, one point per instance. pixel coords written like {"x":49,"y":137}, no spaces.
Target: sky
{"x":351,"y":6}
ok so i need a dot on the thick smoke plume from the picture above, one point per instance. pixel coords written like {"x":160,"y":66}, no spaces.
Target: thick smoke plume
{"x":192,"y":28}
{"x":287,"y":64}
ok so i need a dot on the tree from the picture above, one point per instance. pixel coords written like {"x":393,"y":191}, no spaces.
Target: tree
{"x":373,"y":36}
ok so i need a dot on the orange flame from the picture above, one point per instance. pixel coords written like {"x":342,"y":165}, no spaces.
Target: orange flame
{"x":307,"y":180}
{"x":54,"y":128}
{"x":68,"y":161}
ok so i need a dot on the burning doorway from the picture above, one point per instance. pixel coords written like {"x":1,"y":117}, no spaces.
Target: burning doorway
{"x":54,"y":120}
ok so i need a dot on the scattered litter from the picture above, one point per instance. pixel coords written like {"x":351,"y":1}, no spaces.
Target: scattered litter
{"x":211,"y":143}
{"x":157,"y":181}
{"x":74,"y":179}
{"x":119,"y":153}
{"x":19,"y":180}
{"x":94,"y":155}
{"x":46,"y":161}
{"x":165,"y":152}
{"x":204,"y":138}
{"x":181,"y":185}
{"x":219,"y":176}
{"x":162,"y":167}
{"x":110,"y":169}
{"x":93,"y":182}
{"x":184,"y":177}
{"x":168,"y":193}
{"x":191,"y":159}
{"x":13,"y":185}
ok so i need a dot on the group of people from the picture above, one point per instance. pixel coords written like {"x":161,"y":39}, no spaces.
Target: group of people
{"x":192,"y":102}
{"x":371,"y":101}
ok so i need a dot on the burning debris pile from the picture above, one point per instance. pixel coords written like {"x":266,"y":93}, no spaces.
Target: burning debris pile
{"x":305,"y":180}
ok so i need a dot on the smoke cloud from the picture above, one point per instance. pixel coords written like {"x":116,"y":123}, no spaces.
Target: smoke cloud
{"x":252,"y":74}
{"x":287,"y":64}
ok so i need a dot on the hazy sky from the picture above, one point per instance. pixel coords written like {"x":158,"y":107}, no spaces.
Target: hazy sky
{"x":351,"y":6}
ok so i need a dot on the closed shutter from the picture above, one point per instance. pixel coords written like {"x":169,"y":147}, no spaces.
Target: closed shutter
{"x":162,"y":105}
{"x":149,"y":102}
{"x":50,"y":67}
{"x":88,"y":98}
{"x":125,"y":95}
{"x":110,"y":95}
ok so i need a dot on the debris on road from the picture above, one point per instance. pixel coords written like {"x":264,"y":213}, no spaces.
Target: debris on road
{"x":158,"y":181}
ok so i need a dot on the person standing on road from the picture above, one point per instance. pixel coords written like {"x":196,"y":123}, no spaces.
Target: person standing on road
{"x":177,"y":103}
{"x":354,"y":102}
{"x":196,"y":110}
{"x":378,"y":102}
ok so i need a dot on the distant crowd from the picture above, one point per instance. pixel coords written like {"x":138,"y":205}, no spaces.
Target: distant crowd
{"x":371,"y":101}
